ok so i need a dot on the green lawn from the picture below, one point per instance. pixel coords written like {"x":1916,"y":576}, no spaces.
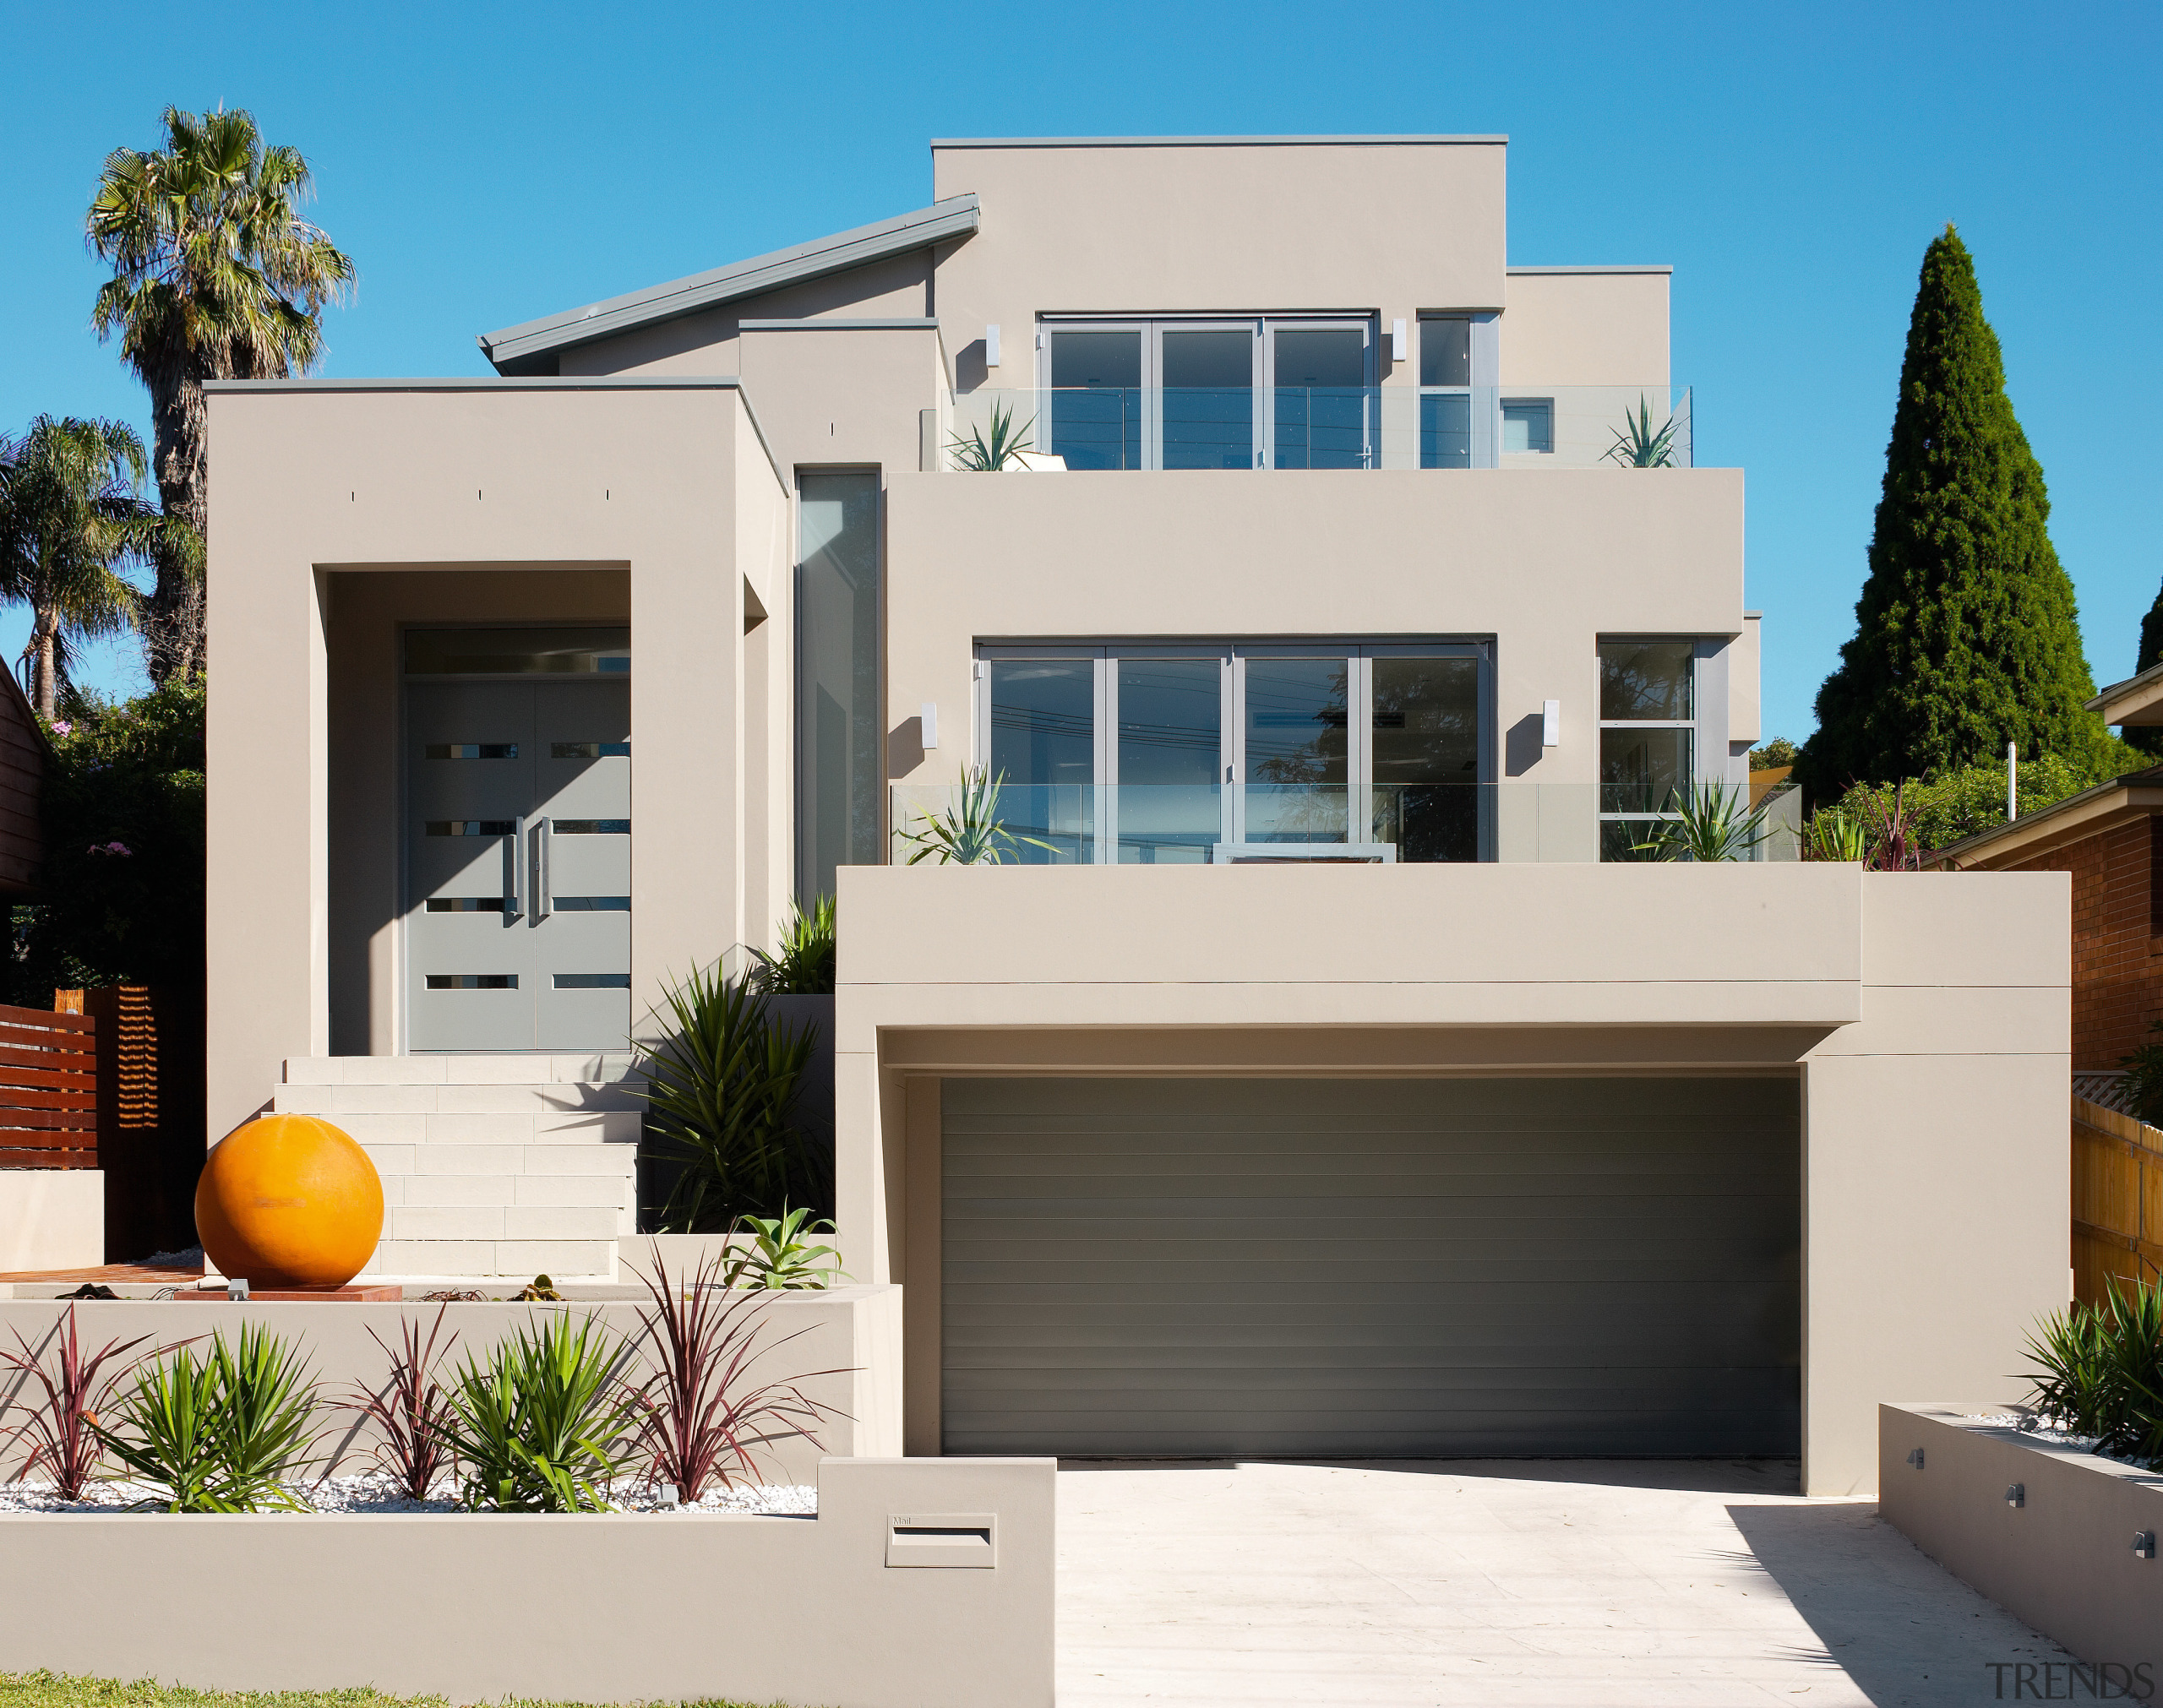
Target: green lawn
{"x":51,"y":1691}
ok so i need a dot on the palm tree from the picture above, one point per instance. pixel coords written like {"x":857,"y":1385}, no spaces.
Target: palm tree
{"x":214,"y":277}
{"x":71,"y":512}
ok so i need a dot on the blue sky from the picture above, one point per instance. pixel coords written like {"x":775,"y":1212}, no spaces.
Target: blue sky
{"x":485,"y":164}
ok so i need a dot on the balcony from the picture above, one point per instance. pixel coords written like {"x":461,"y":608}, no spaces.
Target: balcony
{"x":1077,"y":429}
{"x":1280,"y":822}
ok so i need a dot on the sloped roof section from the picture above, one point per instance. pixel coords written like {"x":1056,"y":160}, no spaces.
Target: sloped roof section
{"x":533,"y":347}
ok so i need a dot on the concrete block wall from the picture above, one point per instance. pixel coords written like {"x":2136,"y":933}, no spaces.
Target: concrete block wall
{"x":492,"y":1166}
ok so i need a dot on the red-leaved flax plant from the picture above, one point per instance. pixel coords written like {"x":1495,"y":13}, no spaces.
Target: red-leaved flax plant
{"x":62,"y":1425}
{"x":701,"y":1420}
{"x":411,"y":1412}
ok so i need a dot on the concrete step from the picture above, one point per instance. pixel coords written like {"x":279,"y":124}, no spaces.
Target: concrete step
{"x":585,"y":1127}
{"x":495,"y":1262}
{"x":549,"y":1097}
{"x":458,"y":1070}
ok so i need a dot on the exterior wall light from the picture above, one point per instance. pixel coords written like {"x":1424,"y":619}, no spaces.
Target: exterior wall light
{"x":928,"y":716}
{"x":991,"y":345}
{"x":1550,"y":723}
{"x":2016,"y":1495}
{"x":2144,"y":1544}
{"x":1397,"y":341}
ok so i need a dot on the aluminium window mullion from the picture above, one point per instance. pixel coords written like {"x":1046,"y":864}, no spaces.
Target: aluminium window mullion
{"x":1106,"y":815}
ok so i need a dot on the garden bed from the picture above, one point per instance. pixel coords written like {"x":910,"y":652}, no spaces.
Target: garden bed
{"x":378,"y":1494}
{"x":2058,"y":1554}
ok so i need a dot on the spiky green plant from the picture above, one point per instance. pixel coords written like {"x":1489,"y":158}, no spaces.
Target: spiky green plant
{"x":780,"y":1254}
{"x":1833,"y":834}
{"x":1639,"y":445}
{"x":1714,"y":822}
{"x":224,"y":1434}
{"x":2102,"y":1368}
{"x":721,"y":1088}
{"x":803,"y":963}
{"x":547,"y":1421}
{"x":989,"y":453}
{"x":973,"y":831}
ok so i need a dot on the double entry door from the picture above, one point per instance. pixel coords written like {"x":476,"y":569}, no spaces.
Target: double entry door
{"x":518,"y":862}
{"x":1198,"y":394}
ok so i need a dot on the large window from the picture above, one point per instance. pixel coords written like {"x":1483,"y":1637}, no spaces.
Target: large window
{"x":1647,"y":738}
{"x":1155,"y":755}
{"x":1210,"y":393}
{"x":837,"y":727}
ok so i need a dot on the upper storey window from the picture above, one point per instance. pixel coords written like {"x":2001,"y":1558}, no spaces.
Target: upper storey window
{"x":1196,"y":393}
{"x":1445,"y":391}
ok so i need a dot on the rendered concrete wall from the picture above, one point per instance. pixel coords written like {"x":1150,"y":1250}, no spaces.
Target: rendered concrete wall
{"x":839,"y":395}
{"x":51,"y":1218}
{"x":853,"y":1333}
{"x":1926,"y":1013}
{"x":1585,"y":327}
{"x":2063,"y":1560}
{"x":598,"y":1608}
{"x":309,"y":481}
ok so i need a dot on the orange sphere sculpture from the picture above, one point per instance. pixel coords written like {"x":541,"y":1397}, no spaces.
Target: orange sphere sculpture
{"x":289,"y":1201}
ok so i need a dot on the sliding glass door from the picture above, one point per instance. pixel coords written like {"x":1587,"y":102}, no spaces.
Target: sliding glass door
{"x":1155,"y":755}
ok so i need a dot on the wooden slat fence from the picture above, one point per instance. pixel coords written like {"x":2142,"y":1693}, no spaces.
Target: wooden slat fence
{"x":48,"y":1090}
{"x":2117,"y":1199}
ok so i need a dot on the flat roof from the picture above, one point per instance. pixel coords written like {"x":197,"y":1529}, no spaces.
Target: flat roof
{"x":518,"y":349}
{"x":1618,"y":267}
{"x":1195,"y":142}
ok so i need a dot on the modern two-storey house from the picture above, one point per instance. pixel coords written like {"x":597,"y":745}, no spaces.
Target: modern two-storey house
{"x":1320,"y":1076}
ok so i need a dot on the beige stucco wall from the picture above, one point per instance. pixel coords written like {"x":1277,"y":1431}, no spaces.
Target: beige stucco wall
{"x":1927,"y":1014}
{"x":705,"y":343}
{"x":308,"y":482}
{"x":1545,"y":562}
{"x":1585,"y":327}
{"x":51,"y":1218}
{"x":842,"y":396}
{"x":1371,"y":228}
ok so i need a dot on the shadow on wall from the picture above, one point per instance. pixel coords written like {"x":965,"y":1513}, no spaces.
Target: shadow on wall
{"x":1880,"y":1605}
{"x":1521,"y":747}
{"x":904,"y":748}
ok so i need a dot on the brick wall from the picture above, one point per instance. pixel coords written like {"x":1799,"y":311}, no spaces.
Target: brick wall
{"x":2118,"y":938}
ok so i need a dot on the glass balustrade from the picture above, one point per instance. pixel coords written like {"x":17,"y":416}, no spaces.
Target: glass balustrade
{"x":1086,"y":429}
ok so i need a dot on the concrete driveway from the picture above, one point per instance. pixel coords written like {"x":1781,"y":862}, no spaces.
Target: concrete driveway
{"x":1547,"y":1582}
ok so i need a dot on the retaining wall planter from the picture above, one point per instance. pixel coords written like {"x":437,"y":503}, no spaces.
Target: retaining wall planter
{"x":2063,"y":1560}
{"x":921,"y":1582}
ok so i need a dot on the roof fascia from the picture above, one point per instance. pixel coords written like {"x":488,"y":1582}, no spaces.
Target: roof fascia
{"x":943,"y":221}
{"x":2073,"y":819}
{"x":2138,"y":700}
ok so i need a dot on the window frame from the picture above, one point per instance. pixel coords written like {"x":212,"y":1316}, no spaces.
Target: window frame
{"x":1701,"y":650}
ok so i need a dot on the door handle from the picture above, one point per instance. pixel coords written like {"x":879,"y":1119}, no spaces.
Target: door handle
{"x":543,"y":881}
{"x":514,"y":863}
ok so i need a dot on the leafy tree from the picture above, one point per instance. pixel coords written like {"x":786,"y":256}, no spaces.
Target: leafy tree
{"x":122,"y":899}
{"x":214,"y":277}
{"x":1966,"y":632}
{"x":2148,"y":740}
{"x":1777,"y":752}
{"x":70,"y":516}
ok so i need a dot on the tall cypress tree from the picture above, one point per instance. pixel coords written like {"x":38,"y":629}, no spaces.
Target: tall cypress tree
{"x":1966,"y":635}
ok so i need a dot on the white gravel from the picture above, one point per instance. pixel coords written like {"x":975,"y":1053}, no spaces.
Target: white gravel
{"x":2045,"y":1428}
{"x":378,"y":1494}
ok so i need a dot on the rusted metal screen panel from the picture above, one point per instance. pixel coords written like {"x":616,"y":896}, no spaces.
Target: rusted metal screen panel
{"x":48,"y":1090}
{"x":2118,"y":1200}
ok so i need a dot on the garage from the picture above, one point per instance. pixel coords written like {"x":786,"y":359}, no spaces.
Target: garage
{"x":1371,"y":1268}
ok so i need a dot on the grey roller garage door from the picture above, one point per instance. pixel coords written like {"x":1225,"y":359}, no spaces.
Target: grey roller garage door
{"x":1212,"y":1267}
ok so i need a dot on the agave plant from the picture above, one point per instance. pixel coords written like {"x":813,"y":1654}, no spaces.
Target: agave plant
{"x":1639,"y":445}
{"x":804,"y":962}
{"x":700,"y":1420}
{"x":411,"y":1412}
{"x":780,"y":1256}
{"x":972,"y":832}
{"x":1714,"y":822}
{"x":62,"y":1426}
{"x":721,"y":1089}
{"x":989,"y":454}
{"x":544,"y":1423}
{"x":1834,"y":834}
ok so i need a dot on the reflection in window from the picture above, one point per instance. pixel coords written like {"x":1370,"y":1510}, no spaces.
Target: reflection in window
{"x":1528,"y":424}
{"x":472,"y":980}
{"x":471,"y":827}
{"x":837,"y":719}
{"x":1170,"y":736}
{"x":1044,"y":743}
{"x":1208,"y":399}
{"x":466,"y":904}
{"x":470,"y":750}
{"x":591,"y":981}
{"x":1297,"y":749}
{"x":1647,"y":738}
{"x":1426,"y":756}
{"x":1096,"y":402}
{"x":588,"y":750}
{"x":592,"y":827}
{"x":1321,"y":402}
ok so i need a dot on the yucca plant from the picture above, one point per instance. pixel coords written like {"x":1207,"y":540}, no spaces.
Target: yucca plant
{"x":972,"y":832}
{"x":544,"y":1423}
{"x":411,"y":1412}
{"x":62,"y":1424}
{"x":1639,"y":445}
{"x":1834,"y":834}
{"x":802,"y":963}
{"x":2102,"y":1368}
{"x":720,"y":1090}
{"x":700,"y":1420}
{"x":988,"y":453}
{"x":779,"y":1257}
{"x":1714,"y":822}
{"x":266,"y":1405}
{"x":167,"y":1434}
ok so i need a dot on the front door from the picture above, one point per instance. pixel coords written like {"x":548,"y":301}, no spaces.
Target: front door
{"x":518,"y":841}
